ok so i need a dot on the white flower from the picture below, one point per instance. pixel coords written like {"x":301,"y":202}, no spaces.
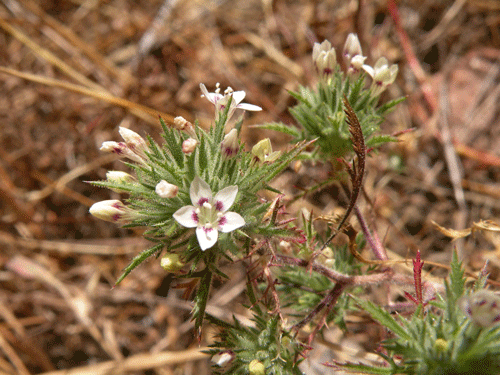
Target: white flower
{"x":166,"y":190}
{"x":483,"y":307}
{"x":220,"y":101}
{"x":112,"y":210}
{"x":382,"y":75}
{"x":325,"y":58}
{"x":209,"y":214}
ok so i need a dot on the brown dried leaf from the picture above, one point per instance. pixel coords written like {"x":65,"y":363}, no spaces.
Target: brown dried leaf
{"x":452,"y":233}
{"x":486,"y":225}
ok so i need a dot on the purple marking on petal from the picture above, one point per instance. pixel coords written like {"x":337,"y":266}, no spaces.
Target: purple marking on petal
{"x":497,"y":318}
{"x":222,"y":221}
{"x":494,"y":305}
{"x":116,"y":217}
{"x":468,"y":311}
{"x":194,"y":216}
{"x":208,"y":230}
{"x":201,"y":201}
{"x":482,"y":302}
{"x":219,"y":206}
{"x":327,"y":71}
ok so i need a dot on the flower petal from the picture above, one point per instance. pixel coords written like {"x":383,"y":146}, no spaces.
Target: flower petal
{"x":199,"y":192}
{"x":238,"y":96}
{"x":249,"y":107}
{"x":230,"y":221}
{"x":211,"y":96}
{"x":207,"y":237}
{"x":224,"y":199}
{"x":186,"y":216}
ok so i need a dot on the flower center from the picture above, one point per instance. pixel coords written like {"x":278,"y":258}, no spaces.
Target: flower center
{"x":208,"y":215}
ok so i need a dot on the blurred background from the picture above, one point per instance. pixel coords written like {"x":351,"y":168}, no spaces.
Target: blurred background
{"x":72,"y":71}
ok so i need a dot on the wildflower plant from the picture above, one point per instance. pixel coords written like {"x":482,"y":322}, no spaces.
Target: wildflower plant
{"x":198,"y":204}
{"x":320,"y":111}
{"x":198,"y":194}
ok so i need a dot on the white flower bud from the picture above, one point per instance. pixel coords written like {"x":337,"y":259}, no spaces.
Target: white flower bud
{"x":166,"y":190}
{"x":230,"y":146}
{"x":189,"y":145}
{"x":223,"y":358}
{"x":121,"y":149}
{"x":325,"y":58}
{"x":352,"y":47}
{"x":119,"y":177}
{"x":182,"y":124}
{"x":133,"y":140}
{"x":111,"y":210}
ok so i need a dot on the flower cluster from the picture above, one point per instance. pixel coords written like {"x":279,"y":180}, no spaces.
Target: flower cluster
{"x":324,"y":59}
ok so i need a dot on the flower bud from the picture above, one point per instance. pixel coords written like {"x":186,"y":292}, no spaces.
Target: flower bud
{"x":230,"y":146}
{"x":171,"y":263}
{"x":133,"y":140}
{"x":166,"y":190}
{"x":182,"y":124}
{"x":111,"y":210}
{"x":352,"y":47}
{"x":263,"y":152}
{"x":325,"y":58}
{"x":189,"y":145}
{"x":121,"y":149}
{"x":441,"y":345}
{"x":223,"y":358}
{"x":256,"y":368}
{"x":119,"y":177}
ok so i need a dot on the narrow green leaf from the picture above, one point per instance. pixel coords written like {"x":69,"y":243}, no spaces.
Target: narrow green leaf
{"x":138,"y":260}
{"x":383,"y":317}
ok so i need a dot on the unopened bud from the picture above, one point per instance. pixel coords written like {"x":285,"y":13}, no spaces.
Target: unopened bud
{"x":171,"y":263}
{"x":166,"y":190}
{"x":441,"y":345}
{"x":182,"y":124}
{"x":230,"y":146}
{"x":325,"y":58}
{"x":223,"y":358}
{"x":133,"y":140}
{"x":119,"y":177}
{"x":352,"y":47}
{"x":189,"y":145}
{"x":121,"y":149}
{"x":111,"y":210}
{"x":256,"y":368}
